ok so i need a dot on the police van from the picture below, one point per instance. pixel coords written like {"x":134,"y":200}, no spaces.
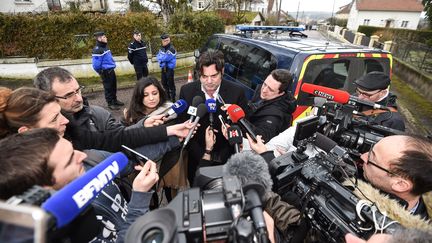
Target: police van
{"x":250,"y":58}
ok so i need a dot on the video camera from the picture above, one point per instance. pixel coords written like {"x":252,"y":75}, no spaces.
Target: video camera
{"x":330,"y":208}
{"x":218,"y":209}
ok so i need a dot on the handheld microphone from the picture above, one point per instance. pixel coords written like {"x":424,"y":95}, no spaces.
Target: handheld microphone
{"x":192,"y":111}
{"x":235,"y":137}
{"x":72,"y":199}
{"x":339,"y":96}
{"x":211,"y":108}
{"x":178,"y":107}
{"x":220,"y":99}
{"x":237,"y":115}
{"x":201,"y":111}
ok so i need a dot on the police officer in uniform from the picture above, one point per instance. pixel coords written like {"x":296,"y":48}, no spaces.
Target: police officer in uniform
{"x":167,"y":61}
{"x":104,"y":65}
{"x":137,"y":55}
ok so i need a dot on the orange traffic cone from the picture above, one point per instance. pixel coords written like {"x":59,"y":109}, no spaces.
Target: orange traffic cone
{"x":190,"y":76}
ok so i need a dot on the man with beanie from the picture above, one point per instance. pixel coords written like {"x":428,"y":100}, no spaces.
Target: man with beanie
{"x":137,"y":55}
{"x":104,"y":65}
{"x":374,"y":87}
{"x":167,"y":62}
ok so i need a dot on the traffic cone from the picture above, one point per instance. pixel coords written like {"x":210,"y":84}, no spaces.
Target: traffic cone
{"x":190,"y":79}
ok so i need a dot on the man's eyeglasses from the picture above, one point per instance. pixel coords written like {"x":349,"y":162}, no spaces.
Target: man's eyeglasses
{"x":369,"y":161}
{"x":71,"y":94}
{"x":366,"y":94}
{"x":214,"y":76}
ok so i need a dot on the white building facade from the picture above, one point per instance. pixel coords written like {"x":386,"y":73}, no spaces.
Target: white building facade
{"x":388,"y":16}
{"x":39,"y":6}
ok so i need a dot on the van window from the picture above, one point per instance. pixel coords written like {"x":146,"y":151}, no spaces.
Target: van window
{"x":211,"y":45}
{"x":332,"y":73}
{"x":256,"y":66}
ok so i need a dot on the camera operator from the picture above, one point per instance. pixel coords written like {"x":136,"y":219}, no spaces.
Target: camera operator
{"x":400,"y":165}
{"x":374,"y":87}
{"x":42,"y":157}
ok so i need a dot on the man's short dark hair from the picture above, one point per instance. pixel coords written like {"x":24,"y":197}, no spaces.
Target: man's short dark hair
{"x":211,"y":57}
{"x":45,"y":78}
{"x":415,"y":164}
{"x":284,"y":77}
{"x":24,"y":161}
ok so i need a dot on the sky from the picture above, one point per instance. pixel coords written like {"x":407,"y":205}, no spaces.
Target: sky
{"x":313,"y":5}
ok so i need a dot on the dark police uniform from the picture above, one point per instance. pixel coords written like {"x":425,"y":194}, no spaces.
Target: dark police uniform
{"x":137,"y":56}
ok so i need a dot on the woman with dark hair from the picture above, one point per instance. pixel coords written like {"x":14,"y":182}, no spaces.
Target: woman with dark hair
{"x":148,"y":99}
{"x":26,"y":108}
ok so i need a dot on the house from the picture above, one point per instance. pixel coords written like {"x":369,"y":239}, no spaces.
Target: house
{"x":252,"y":5}
{"x":39,"y":6}
{"x":344,"y":11}
{"x":385,"y":13}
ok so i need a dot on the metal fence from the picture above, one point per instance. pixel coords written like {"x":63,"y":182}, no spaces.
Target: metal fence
{"x":349,"y":36}
{"x":365,"y":41}
{"x":417,"y":54}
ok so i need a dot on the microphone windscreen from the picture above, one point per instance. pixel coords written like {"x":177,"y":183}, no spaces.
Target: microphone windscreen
{"x":235,"y":113}
{"x":336,"y":95}
{"x":71,"y":200}
{"x":201,"y":110}
{"x":324,"y":142}
{"x":197,"y":100}
{"x":249,"y":168}
{"x":179,"y":106}
{"x":234,"y":135}
{"x":211,"y":105}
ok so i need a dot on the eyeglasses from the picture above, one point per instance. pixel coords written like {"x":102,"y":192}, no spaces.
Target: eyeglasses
{"x":365,"y":94}
{"x":376,"y":165}
{"x":214,"y":76}
{"x":71,"y":94}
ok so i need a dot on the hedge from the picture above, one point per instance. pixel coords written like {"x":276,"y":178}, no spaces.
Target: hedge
{"x":423,"y":36}
{"x":70,"y":35}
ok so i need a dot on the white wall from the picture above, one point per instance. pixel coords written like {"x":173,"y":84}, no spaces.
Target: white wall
{"x":12,"y":6}
{"x":117,"y":5}
{"x":378,"y":18}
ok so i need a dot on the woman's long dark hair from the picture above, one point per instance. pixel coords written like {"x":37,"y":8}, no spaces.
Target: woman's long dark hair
{"x":136,"y":109}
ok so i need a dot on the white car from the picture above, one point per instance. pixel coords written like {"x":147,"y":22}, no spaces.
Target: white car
{"x":151,"y":6}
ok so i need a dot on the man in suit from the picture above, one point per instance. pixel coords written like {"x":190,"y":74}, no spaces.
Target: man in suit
{"x":211,"y":85}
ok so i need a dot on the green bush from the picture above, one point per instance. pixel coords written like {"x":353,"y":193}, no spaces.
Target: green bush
{"x":423,"y":36}
{"x":70,"y":35}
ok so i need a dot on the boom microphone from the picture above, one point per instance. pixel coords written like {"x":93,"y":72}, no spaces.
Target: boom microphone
{"x":211,"y":108}
{"x":72,"y":199}
{"x":237,"y":115}
{"x":201,"y":111}
{"x":178,"y":107}
{"x":192,"y":111}
{"x":339,"y":96}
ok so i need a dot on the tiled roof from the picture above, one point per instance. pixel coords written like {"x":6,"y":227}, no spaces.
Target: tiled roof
{"x":345,"y":9}
{"x":390,"y":5}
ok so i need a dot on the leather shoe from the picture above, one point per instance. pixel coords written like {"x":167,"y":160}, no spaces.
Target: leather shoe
{"x":118,"y":103}
{"x":113,"y":107}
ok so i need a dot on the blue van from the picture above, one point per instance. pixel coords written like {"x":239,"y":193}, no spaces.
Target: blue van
{"x":249,"y":60}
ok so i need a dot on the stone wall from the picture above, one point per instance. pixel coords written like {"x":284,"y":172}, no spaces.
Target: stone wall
{"x":418,"y":81}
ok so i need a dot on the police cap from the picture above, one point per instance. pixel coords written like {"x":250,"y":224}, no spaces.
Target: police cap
{"x":98,"y":34}
{"x":164,"y":36}
{"x":373,"y":81}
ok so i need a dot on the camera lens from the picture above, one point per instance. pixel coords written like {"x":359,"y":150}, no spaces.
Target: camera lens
{"x":154,"y":235}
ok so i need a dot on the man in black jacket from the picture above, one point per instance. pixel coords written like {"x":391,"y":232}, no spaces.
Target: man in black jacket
{"x":374,"y":87}
{"x":211,"y":67}
{"x":272,"y":105}
{"x":137,"y":55}
{"x":94,"y":127}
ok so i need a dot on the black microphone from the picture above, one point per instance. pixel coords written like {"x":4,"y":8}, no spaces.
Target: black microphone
{"x":235,"y":137}
{"x":211,"y":108}
{"x":192,"y":110}
{"x":237,"y":115}
{"x":201,"y":111}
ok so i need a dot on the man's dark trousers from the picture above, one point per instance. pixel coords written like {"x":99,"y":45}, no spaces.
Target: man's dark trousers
{"x":109,"y":80}
{"x":168,"y":82}
{"x":141,"y":71}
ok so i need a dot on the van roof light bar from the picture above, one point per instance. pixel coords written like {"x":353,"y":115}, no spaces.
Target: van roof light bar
{"x":268,"y":27}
